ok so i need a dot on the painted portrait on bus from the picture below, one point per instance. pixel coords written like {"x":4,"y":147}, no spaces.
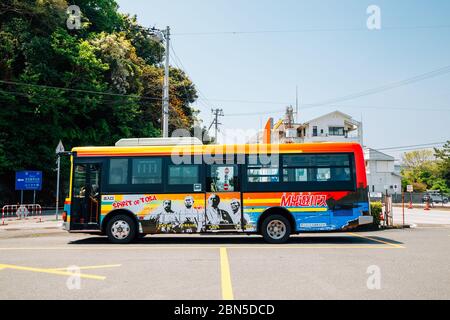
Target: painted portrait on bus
{"x":223,"y":212}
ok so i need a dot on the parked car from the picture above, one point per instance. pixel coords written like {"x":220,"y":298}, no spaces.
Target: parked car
{"x":434,"y":198}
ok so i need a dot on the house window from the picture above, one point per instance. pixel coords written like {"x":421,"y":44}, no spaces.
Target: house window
{"x":315,"y":131}
{"x":336,"y":131}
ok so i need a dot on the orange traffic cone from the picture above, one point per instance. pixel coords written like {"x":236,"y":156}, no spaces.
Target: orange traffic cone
{"x":427,"y":206}
{"x":410,"y":205}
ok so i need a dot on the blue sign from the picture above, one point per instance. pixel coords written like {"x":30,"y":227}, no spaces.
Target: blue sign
{"x":29,"y":180}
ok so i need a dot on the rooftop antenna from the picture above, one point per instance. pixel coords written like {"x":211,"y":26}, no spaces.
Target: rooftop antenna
{"x":296,"y":104}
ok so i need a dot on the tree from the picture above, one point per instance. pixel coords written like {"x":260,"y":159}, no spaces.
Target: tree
{"x":419,"y":169}
{"x":443,"y":155}
{"x":91,"y":86}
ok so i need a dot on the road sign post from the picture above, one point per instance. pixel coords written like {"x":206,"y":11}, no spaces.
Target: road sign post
{"x":410,"y":189}
{"x":28,"y":180}
{"x":59,"y":149}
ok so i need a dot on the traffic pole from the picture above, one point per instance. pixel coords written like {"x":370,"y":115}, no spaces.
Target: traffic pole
{"x":57,"y":187}
{"x":403,"y":207}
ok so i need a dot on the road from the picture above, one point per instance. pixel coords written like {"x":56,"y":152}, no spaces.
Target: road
{"x":434,"y":217}
{"x":407,"y":264}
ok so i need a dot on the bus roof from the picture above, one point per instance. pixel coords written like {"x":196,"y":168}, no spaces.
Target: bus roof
{"x":323,"y":147}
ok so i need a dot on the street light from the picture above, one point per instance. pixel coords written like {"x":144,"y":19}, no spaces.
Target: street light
{"x":160,"y":36}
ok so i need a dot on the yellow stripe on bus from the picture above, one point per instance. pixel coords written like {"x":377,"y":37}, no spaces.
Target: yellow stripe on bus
{"x":290,"y":209}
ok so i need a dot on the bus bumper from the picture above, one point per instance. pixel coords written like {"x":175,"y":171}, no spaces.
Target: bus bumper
{"x":362,"y":220}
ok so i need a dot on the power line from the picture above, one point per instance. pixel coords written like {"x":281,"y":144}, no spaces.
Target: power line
{"x":78,"y":90}
{"x":390,"y":86}
{"x":417,"y":78}
{"x":306,"y":30}
{"x":430,"y":145}
{"x":29,"y":95}
{"x":182,"y":67}
{"x":338,"y":107}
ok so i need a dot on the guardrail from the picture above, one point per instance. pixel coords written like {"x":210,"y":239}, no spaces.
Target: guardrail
{"x":21,"y":211}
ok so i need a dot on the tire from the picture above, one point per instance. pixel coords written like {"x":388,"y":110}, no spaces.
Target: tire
{"x":270,"y":229}
{"x":121,"y":229}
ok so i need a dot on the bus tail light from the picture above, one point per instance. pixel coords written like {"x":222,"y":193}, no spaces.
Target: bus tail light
{"x":64,"y":216}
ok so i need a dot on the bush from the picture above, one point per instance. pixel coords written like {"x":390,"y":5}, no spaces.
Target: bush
{"x":376,"y":209}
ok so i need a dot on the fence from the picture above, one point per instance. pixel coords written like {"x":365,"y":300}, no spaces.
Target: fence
{"x":21,"y":211}
{"x":414,"y":197}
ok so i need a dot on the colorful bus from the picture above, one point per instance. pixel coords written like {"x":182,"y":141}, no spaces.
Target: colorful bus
{"x":126,"y":192}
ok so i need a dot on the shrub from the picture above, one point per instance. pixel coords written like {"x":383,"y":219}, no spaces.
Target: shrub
{"x":376,"y":209}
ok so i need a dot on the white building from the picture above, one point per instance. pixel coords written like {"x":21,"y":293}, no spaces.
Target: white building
{"x":381,"y":173}
{"x":335,"y":126}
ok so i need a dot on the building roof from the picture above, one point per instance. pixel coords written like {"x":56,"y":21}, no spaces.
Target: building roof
{"x":344,"y":115}
{"x":372,"y":154}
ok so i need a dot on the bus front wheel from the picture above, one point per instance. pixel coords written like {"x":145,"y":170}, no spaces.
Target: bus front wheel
{"x":276,"y":229}
{"x":121,"y":229}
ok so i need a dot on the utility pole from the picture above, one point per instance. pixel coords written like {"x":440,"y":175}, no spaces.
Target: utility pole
{"x":164,"y":35}
{"x":217,"y":113}
{"x":166,"y":86}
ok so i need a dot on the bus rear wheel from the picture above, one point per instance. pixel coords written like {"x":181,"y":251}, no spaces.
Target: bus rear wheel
{"x":121,"y":229}
{"x":276,"y":229}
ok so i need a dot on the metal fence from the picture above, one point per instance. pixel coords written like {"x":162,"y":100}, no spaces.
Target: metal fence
{"x":414,"y":197}
{"x":21,"y":211}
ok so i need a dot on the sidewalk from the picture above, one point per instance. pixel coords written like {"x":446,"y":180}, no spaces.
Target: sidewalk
{"x":30,"y":226}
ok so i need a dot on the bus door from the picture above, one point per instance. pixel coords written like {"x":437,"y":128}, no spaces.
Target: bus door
{"x":223,"y":199}
{"x":85,"y":213}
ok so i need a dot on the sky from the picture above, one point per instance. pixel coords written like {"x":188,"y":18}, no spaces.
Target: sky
{"x":325,"y":48}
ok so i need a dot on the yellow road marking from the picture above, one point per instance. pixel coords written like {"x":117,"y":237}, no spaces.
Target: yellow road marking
{"x":92,"y":267}
{"x":227,"y":289}
{"x":50,"y":271}
{"x":376,"y":240}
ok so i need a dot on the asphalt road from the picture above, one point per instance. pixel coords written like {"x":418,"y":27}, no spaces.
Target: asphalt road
{"x":421,"y":217}
{"x":403,"y":264}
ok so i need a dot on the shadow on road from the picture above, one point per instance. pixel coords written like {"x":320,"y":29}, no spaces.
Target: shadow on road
{"x":220,"y":240}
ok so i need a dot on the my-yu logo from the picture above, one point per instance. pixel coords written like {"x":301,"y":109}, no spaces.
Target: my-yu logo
{"x":374,"y":280}
{"x":74,"y":281}
{"x":374,"y":19}
{"x":73,"y":22}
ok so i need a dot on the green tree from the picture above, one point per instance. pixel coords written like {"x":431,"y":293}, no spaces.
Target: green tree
{"x":443,"y":156}
{"x":91,"y":86}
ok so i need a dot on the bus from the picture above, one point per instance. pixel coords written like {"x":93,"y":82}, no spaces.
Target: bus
{"x":135,"y":189}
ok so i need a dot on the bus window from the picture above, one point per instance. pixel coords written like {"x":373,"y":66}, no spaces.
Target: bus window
{"x":118,"y":171}
{"x":340,"y":174}
{"x":223,"y":178}
{"x":147,"y":171}
{"x":320,"y":168}
{"x":79,"y":181}
{"x":258,"y":172}
{"x":295,"y":174}
{"x":184,"y":174}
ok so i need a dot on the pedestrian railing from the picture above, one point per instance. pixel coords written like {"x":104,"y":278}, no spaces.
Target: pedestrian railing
{"x":21,"y":211}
